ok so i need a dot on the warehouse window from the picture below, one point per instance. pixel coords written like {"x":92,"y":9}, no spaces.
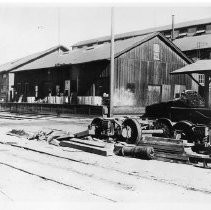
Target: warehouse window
{"x":208,"y":28}
{"x":156,"y":51}
{"x":191,"y":31}
{"x":201,"y":79}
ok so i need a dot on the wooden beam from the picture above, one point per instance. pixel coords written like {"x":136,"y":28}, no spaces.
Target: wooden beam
{"x":88,"y":148}
{"x":194,"y":80}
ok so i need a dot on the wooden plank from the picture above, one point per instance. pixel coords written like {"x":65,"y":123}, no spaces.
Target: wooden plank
{"x":163,"y":146}
{"x":99,"y":143}
{"x":153,"y":138}
{"x":172,"y":156}
{"x":87,"y":148}
{"x":85,"y":133}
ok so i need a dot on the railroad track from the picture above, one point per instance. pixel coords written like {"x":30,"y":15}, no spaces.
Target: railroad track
{"x":102,"y":175}
{"x":70,"y":175}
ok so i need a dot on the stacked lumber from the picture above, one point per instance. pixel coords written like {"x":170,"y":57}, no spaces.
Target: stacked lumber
{"x":91,"y":146}
{"x":166,"y":148}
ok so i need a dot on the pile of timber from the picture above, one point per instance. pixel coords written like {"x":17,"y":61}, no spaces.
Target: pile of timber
{"x":167,"y":148}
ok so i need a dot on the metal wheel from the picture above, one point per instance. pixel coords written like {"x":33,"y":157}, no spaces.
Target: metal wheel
{"x":97,"y":123}
{"x":186,"y":128}
{"x":131,"y":131}
{"x":167,"y":131}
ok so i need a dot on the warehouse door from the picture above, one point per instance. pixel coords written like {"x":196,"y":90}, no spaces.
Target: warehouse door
{"x":154,"y":94}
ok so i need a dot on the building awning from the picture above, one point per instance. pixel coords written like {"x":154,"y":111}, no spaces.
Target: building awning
{"x":199,"y":67}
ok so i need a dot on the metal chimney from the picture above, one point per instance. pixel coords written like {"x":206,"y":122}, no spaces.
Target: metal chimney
{"x":172,"y":33}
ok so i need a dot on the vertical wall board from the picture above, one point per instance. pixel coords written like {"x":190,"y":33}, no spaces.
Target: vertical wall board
{"x":137,"y":78}
{"x":156,"y":72}
{"x":144,"y":81}
{"x":166,"y":93}
{"x":150,"y":72}
{"x":138,"y":68}
{"x":154,"y":94}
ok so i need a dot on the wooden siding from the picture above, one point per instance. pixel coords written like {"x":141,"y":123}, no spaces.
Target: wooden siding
{"x":136,"y":71}
{"x":4,"y":87}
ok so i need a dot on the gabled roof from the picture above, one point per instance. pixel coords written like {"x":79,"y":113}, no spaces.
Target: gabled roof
{"x":200,"y":66}
{"x":102,"y":52}
{"x":194,"y":42}
{"x":47,"y":61}
{"x":145,"y":31}
{"x":95,"y":53}
{"x":22,"y":61}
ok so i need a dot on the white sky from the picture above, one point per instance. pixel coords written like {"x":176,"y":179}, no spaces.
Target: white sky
{"x":26,"y":29}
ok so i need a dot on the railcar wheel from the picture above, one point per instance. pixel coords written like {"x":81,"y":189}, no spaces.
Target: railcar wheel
{"x":166,"y":127}
{"x":97,"y":123}
{"x":131,"y":131}
{"x":186,"y":128}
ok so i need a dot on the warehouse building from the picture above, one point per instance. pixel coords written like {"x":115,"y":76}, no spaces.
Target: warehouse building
{"x":142,"y":67}
{"x":7,"y":90}
{"x":192,"y":37}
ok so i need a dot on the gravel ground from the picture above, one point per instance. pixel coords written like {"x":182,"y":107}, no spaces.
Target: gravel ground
{"x":150,"y":181}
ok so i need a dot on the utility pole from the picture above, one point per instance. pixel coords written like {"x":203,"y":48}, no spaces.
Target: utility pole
{"x":58,"y":17}
{"x":172,"y":35}
{"x":111,"y":65}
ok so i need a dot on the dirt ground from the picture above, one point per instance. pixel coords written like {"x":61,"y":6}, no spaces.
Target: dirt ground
{"x":72,"y":176}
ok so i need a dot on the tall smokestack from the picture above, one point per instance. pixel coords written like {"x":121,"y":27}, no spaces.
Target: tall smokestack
{"x":172,"y":33}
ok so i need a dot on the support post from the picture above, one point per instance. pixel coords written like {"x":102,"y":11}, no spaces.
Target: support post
{"x":111,"y":65}
{"x":206,"y":89}
{"x":93,"y":89}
